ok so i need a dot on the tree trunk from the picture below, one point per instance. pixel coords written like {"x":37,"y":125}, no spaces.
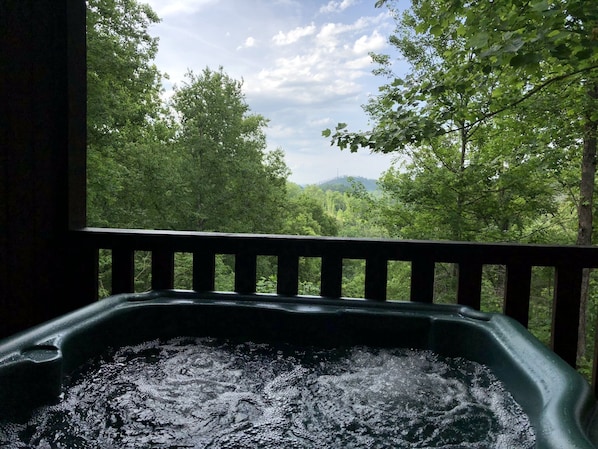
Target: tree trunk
{"x":585,"y":211}
{"x":457,"y":233}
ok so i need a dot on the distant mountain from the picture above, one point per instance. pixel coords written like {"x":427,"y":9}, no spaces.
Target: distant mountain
{"x":343,"y":183}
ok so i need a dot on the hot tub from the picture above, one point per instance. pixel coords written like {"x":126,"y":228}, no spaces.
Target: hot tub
{"x":557,"y":400}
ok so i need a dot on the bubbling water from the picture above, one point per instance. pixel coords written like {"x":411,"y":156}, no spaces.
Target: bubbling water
{"x":216,"y":394}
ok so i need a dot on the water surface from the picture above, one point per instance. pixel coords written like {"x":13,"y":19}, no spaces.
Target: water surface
{"x":216,"y":394}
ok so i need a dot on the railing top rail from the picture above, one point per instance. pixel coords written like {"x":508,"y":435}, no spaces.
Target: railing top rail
{"x":358,"y":248}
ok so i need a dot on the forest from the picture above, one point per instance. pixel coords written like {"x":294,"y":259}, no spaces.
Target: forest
{"x":495,"y":122}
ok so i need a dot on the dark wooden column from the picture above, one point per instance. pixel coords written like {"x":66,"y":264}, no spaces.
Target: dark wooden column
{"x":42,"y":157}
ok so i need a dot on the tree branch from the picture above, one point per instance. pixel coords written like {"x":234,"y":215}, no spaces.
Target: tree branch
{"x":529,"y":94}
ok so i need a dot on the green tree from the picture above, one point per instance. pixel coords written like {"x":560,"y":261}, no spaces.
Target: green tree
{"x":497,"y":196}
{"x":542,"y":43}
{"x":124,"y":110}
{"x":232,"y":183}
{"x":512,"y":50}
{"x":483,"y":181}
{"x":305,"y":213}
{"x":196,"y":164}
{"x":472,"y":62}
{"x":123,"y":83}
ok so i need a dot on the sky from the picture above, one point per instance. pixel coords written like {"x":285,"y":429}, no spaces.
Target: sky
{"x":305,"y":66}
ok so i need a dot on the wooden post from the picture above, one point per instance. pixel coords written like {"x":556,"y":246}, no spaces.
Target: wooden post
{"x":42,"y":135}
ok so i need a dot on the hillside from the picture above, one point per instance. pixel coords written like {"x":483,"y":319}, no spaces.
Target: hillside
{"x":343,"y":183}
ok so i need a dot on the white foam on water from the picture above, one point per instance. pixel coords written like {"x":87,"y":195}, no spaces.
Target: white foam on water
{"x":209,"y":393}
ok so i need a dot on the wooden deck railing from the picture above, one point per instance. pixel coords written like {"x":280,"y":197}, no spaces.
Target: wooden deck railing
{"x":568,"y":261}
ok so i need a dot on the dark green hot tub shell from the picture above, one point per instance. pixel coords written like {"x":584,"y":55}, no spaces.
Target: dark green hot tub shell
{"x":556,"y":398}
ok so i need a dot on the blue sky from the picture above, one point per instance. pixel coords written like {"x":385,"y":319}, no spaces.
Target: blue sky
{"x":304,"y":64}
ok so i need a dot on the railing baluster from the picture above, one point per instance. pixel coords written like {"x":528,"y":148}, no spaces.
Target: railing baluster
{"x":469,"y":286}
{"x":565,"y":312}
{"x":204,"y":271}
{"x":422,"y":280}
{"x":123,"y":270}
{"x":518,"y":284}
{"x":332,"y":276}
{"x":162,"y":269}
{"x":376,"y":276}
{"x":245,"y":271}
{"x":288,"y":275}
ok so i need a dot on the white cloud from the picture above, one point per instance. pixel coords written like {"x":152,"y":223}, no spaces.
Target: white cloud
{"x":249,"y":42}
{"x":361,"y":63}
{"x":323,"y":67}
{"x":327,"y":37}
{"x":177,"y":7}
{"x":293,"y":35}
{"x":335,"y":6}
{"x":309,"y":78}
{"x":366,"y":44}
{"x":331,"y":32}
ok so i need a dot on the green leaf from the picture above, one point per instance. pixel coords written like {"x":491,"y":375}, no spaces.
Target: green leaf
{"x":561,"y":52}
{"x":421,"y":28}
{"x":327,"y":132}
{"x":584,"y":54}
{"x":479,"y":40}
{"x":518,"y":61}
{"x":436,"y":30}
{"x":497,"y":92}
{"x":540,"y":6}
